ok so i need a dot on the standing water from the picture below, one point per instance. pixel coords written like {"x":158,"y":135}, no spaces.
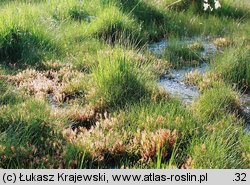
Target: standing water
{"x":174,"y":81}
{"x":175,"y":85}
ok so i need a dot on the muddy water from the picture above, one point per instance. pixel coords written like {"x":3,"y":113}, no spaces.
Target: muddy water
{"x":54,"y":105}
{"x":209,"y":48}
{"x":174,"y":83}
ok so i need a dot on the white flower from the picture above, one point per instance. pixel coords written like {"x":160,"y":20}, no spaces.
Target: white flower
{"x":217,"y":4}
{"x":206,"y":6}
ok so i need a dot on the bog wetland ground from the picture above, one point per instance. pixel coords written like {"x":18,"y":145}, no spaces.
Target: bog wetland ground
{"x":124,"y":84}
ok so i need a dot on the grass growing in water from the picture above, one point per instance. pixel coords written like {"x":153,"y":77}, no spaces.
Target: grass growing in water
{"x":138,"y":126}
{"x":183,"y":55}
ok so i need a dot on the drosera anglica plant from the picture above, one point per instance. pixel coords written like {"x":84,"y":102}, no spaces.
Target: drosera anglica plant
{"x":92,"y":58}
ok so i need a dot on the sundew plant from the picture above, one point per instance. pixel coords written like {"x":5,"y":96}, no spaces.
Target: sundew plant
{"x":124,"y":84}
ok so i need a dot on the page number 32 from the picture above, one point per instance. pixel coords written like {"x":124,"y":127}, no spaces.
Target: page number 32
{"x":240,"y":177}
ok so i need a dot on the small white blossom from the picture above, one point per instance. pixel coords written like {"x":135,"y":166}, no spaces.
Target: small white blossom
{"x":207,"y":6}
{"x":217,"y":4}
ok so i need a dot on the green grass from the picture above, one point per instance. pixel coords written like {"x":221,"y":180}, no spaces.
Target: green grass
{"x":23,"y":41}
{"x":215,"y":102}
{"x":182,"y":55}
{"x":143,"y":121}
{"x":27,"y":130}
{"x":220,"y":148}
{"x":79,"y":14}
{"x":78,"y":86}
{"x":114,"y":25}
{"x":130,"y":83}
{"x":9,"y":94}
{"x":22,"y":47}
{"x":166,"y":112}
{"x":152,"y":19}
{"x":234,"y":66}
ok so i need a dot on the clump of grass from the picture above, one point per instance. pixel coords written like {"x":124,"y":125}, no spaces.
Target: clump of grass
{"x":142,"y":11}
{"x":151,"y":18}
{"x":24,"y":40}
{"x":27,"y":129}
{"x":119,"y":82}
{"x":84,"y":58}
{"x":9,"y":94}
{"x":234,"y":66}
{"x":216,"y":102}
{"x":182,"y":55}
{"x":114,"y":26}
{"x":13,"y":45}
{"x":23,"y":46}
{"x":167,"y":113}
{"x":79,"y":14}
{"x":161,"y":113}
{"x":193,"y":77}
{"x":73,"y":11}
{"x":220,"y":147}
{"x":11,"y":117}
